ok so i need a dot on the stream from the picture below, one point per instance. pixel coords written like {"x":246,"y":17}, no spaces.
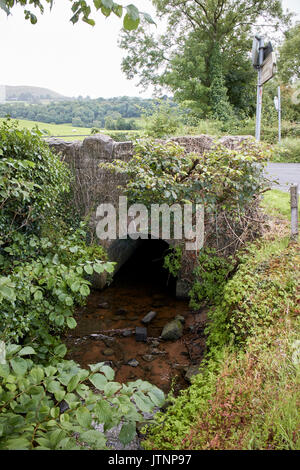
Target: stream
{"x":106,"y":325}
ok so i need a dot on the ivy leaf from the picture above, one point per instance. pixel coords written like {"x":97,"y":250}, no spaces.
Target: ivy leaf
{"x":108,"y":4}
{"x":38,"y":295}
{"x":98,"y":4}
{"x":73,"y":383}
{"x":18,"y":443}
{"x":127,"y":433}
{"x":118,"y":10}
{"x":84,"y":417}
{"x":88,"y":269}
{"x":19,"y":365}
{"x":75,"y":286}
{"x":60,"y":350}
{"x":71,"y":322}
{"x":84,"y":290}
{"x":108,"y":372}
{"x":99,"y":268}
{"x":26,"y":351}
{"x":99,"y":381}
{"x":111,"y":388}
{"x":103,"y":411}
{"x":94,"y":438}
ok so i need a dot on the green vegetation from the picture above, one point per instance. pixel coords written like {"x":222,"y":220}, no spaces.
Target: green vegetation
{"x":287,"y":151}
{"x":211,"y":274}
{"x":43,"y":259}
{"x":162,"y":172}
{"x":112,"y":113}
{"x":184,"y":56}
{"x":51,"y":129}
{"x":247,"y":393}
{"x":81,"y":10}
{"x":45,"y":269}
{"x":277,"y":204}
{"x":54,"y":407}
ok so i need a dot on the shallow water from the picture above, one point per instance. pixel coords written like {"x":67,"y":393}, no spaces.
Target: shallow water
{"x":105,"y":329}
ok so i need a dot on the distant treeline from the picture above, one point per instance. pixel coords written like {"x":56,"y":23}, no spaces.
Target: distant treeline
{"x":112,"y":113}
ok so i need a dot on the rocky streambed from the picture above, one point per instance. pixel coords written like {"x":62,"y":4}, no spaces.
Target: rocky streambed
{"x":142,"y":332}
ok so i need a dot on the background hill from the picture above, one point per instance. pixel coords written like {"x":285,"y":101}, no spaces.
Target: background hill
{"x":32,"y":94}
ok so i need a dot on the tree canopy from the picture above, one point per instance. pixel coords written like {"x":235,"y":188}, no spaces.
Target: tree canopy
{"x":181,"y":59}
{"x":289,"y":65}
{"x":81,"y":9}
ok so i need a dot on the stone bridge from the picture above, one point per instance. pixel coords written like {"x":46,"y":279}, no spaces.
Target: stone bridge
{"x":94,"y":186}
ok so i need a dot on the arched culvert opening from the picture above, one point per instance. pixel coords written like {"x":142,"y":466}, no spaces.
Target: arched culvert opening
{"x":145,"y":266}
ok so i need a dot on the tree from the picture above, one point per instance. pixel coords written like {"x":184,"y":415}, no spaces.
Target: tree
{"x":289,"y":63}
{"x":81,"y":9}
{"x":181,"y":58}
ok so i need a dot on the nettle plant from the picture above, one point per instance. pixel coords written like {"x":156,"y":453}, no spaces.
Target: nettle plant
{"x":59,"y":406}
{"x":45,"y":263}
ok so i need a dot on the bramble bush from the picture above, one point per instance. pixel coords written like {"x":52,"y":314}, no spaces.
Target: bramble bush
{"x":164,"y":173}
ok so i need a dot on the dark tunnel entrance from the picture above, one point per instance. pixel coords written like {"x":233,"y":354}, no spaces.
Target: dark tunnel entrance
{"x":145,"y":267}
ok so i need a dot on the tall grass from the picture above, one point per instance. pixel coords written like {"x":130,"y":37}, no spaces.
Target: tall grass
{"x":288,"y":150}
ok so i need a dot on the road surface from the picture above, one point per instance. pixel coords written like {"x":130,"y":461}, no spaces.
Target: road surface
{"x":285,"y":173}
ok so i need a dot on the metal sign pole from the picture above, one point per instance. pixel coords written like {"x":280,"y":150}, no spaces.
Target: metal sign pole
{"x":259,"y":89}
{"x":279,"y":115}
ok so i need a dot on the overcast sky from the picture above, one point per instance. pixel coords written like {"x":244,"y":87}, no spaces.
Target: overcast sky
{"x":72,"y":60}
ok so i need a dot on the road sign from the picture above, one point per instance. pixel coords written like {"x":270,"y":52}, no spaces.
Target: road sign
{"x":268,"y":49}
{"x":255,"y":52}
{"x":268,"y":68}
{"x":276,"y":102}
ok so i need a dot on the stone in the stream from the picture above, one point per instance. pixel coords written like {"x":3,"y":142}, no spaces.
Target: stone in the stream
{"x":103,"y":305}
{"x":158,"y":303}
{"x":140,"y":333}
{"x":121,"y":311}
{"x":133,"y":363}
{"x":109,"y":341}
{"x":127,"y":333}
{"x":191,"y":371}
{"x":148,"y":357}
{"x":172,"y":330}
{"x":180,"y":318}
{"x":149,"y":317}
{"x":108,"y":352}
{"x":63,"y":406}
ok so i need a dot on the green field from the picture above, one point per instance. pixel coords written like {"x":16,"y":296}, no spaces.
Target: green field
{"x":75,"y":133}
